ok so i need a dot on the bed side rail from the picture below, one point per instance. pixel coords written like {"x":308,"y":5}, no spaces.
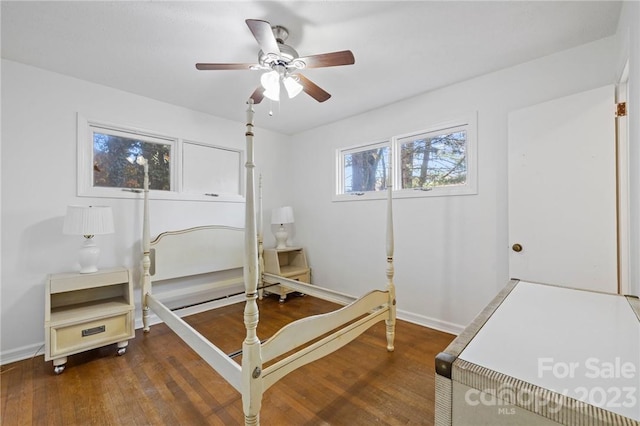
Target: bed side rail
{"x":306,"y":329}
{"x":310,"y":289}
{"x":217,"y":359}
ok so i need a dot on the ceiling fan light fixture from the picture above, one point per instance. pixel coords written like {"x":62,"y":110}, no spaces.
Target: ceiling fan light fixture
{"x":292,"y":86}
{"x":271,"y":83}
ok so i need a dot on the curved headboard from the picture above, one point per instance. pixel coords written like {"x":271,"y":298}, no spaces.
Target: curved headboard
{"x":194,"y":251}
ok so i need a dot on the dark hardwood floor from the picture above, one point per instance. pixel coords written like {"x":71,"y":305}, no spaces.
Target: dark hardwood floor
{"x":161,"y":381}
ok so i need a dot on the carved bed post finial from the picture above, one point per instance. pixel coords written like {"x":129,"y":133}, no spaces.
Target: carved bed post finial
{"x":391,"y":288}
{"x":251,"y":351}
{"x":146,"y":260}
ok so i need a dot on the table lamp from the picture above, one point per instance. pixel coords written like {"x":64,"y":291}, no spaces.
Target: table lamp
{"x":281,"y":216}
{"x":88,"y":221}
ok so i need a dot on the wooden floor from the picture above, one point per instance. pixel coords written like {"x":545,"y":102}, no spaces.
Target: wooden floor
{"x":160,"y":381}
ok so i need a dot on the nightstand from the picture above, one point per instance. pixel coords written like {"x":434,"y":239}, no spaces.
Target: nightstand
{"x":289,"y":262}
{"x":87,"y":311}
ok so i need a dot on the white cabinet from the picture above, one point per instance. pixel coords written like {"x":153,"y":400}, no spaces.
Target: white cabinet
{"x":86,"y":311}
{"x":290,"y":262}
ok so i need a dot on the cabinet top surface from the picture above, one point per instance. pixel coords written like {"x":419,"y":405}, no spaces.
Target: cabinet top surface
{"x":105,"y":271}
{"x":286,"y":249}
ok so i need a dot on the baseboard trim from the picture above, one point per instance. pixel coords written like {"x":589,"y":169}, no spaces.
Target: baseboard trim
{"x":444,"y":326}
{"x":22,"y":353}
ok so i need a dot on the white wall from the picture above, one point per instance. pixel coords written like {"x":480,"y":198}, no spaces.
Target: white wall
{"x":39,"y":180}
{"x":451,"y":252}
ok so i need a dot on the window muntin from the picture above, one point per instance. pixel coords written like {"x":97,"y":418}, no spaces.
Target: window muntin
{"x":365,"y":169}
{"x":434,"y":159}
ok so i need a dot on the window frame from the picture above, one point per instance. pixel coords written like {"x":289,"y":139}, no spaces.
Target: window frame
{"x":366,"y":195}
{"x":466,"y":122}
{"x":85,"y":187}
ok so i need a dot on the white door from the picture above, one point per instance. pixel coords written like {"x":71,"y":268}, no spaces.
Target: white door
{"x":562,"y":192}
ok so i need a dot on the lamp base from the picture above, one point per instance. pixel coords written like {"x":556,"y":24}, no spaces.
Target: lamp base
{"x":281,"y":237}
{"x":88,"y":257}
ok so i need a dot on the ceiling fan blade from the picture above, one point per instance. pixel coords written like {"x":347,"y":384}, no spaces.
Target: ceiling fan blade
{"x":344,"y":57}
{"x":263,"y":33}
{"x":206,"y":67}
{"x":313,"y":89}
{"x":257,"y":95}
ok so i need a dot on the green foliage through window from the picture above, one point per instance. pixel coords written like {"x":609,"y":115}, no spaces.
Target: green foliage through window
{"x":115,"y":166}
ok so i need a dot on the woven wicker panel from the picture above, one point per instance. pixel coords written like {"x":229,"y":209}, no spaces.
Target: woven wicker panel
{"x":543,"y":402}
{"x":443,"y":401}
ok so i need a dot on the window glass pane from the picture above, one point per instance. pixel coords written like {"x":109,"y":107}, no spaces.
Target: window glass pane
{"x":366,"y":170}
{"x":114,"y":162}
{"x":211,"y":170}
{"x":434,"y":160}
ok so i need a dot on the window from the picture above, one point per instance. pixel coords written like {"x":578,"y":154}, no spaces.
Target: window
{"x":429,"y":160}
{"x":198,"y":162}
{"x":433,"y":162}
{"x":115,"y":154}
{"x":108,"y":165}
{"x":365,"y":168}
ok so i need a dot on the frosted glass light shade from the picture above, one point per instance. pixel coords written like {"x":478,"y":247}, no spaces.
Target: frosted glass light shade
{"x":271,"y":83}
{"x":88,"y":220}
{"x":292,"y":86}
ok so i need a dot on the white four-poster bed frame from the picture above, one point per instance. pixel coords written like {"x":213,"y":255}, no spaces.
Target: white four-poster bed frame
{"x":345,"y":324}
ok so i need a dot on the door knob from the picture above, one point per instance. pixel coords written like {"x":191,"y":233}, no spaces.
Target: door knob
{"x":516,"y":247}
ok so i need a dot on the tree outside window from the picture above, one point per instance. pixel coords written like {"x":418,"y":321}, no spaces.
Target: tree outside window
{"x":428,"y":161}
{"x":114,"y":162}
{"x":366,"y":170}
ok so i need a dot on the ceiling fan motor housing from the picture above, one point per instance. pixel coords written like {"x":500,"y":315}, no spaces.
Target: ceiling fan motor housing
{"x":287,"y":58}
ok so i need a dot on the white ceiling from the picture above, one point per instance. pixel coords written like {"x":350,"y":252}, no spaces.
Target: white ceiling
{"x":402,"y":48}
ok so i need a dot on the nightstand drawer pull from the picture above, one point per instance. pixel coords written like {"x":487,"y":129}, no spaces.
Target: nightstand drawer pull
{"x":94,"y":330}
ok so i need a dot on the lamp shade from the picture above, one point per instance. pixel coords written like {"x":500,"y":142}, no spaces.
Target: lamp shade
{"x":88,"y":220}
{"x":282,"y":215}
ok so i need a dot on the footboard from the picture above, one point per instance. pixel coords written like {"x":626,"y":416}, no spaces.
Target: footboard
{"x":358,"y":317}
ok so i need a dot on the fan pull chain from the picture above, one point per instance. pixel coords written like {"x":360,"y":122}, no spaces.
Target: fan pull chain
{"x":271,"y":107}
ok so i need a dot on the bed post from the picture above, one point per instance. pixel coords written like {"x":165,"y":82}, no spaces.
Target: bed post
{"x":251,"y":351}
{"x":146,"y":260}
{"x":260,"y":240}
{"x":391,"y":288}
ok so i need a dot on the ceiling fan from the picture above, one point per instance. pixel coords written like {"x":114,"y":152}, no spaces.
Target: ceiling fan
{"x":283,"y":64}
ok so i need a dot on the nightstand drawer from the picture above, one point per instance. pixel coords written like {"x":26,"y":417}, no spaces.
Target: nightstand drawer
{"x":90,"y":334}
